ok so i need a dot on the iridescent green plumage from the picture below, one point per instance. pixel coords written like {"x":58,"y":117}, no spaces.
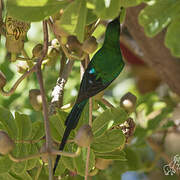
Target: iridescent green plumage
{"x":104,"y":67}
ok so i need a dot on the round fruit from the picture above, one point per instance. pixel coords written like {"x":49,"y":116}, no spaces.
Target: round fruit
{"x":6,"y":143}
{"x":35,"y":99}
{"x":2,"y":79}
{"x":103,"y":163}
{"x":73,"y":44}
{"x":90,"y":45}
{"x":128,"y":102}
{"x":84,"y":136}
{"x":37,"y":50}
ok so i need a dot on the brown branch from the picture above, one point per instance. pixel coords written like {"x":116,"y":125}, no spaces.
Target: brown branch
{"x":90,"y":124}
{"x":58,"y":91}
{"x":44,"y":102}
{"x":106,"y":102}
{"x":1,"y":19}
{"x":155,"y":53}
{"x":16,"y":84}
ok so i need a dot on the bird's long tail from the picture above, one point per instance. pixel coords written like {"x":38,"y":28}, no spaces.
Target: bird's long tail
{"x":71,"y":123}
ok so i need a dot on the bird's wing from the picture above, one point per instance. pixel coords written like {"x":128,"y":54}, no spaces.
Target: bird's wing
{"x":91,"y":84}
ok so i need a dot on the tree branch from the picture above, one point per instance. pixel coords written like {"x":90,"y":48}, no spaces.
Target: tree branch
{"x":155,"y":53}
{"x":44,"y":102}
{"x":58,"y":90}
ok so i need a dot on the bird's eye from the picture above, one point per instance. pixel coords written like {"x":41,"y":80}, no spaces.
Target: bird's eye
{"x":92,"y":70}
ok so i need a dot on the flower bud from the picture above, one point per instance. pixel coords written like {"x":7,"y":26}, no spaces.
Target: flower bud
{"x":84,"y":136}
{"x":128,"y":102}
{"x":6,"y":143}
{"x":35,"y":99}
{"x":37,"y":50}
{"x":90,"y":45}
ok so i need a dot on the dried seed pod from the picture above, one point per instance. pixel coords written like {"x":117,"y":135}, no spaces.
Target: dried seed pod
{"x":90,"y":45}
{"x":35,"y":99}
{"x":103,"y":163}
{"x":2,"y":79}
{"x":6,"y":143}
{"x":16,"y":27}
{"x":37,"y":50}
{"x":84,"y":136}
{"x":13,"y":45}
{"x":15,"y":34}
{"x":128,"y":102}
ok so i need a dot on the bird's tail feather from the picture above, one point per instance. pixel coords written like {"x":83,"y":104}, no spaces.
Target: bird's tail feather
{"x":71,"y":123}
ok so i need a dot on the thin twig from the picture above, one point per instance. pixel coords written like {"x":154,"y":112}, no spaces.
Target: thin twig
{"x":90,"y":124}
{"x":11,"y":91}
{"x":52,"y":153}
{"x":106,"y":102}
{"x":1,"y":20}
{"x":29,"y":61}
{"x":44,"y":103}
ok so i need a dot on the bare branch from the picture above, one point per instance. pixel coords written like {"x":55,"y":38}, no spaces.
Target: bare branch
{"x":44,"y":102}
{"x":16,"y":84}
{"x":58,"y":90}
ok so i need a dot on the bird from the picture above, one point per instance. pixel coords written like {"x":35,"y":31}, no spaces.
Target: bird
{"x":102,"y":70}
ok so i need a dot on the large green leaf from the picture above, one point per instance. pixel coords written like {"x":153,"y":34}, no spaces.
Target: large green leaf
{"x":80,"y":161}
{"x":24,"y":126}
{"x":7,"y":122}
{"x":34,"y":10}
{"x":129,"y":3}
{"x":37,"y":130}
{"x":157,"y":16}
{"x":115,"y":155}
{"x":172,"y":37}
{"x":5,"y":164}
{"x":107,"y":119}
{"x":73,"y":19}
{"x":109,"y":141}
{"x":107,"y":9}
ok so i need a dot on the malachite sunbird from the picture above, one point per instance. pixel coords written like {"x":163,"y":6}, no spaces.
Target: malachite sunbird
{"x":104,"y":67}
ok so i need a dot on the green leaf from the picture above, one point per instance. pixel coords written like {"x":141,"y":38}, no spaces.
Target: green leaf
{"x":157,"y":16}
{"x":107,"y":119}
{"x":68,"y":161}
{"x":20,"y":151}
{"x":172,"y":37}
{"x":133,"y":159}
{"x":5,"y":164}
{"x":129,"y":3}
{"x":107,"y":9}
{"x":24,"y":126}
{"x":80,"y":161}
{"x":31,"y":149}
{"x":34,"y":10}
{"x":73,"y":19}
{"x":37,"y":130}
{"x":57,"y":125}
{"x":114,"y":155}
{"x":8,"y":123}
{"x":109,"y":141}
{"x":91,"y":17}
